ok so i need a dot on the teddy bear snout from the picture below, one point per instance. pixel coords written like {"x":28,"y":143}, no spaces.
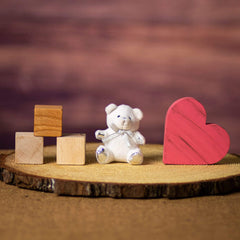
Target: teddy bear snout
{"x":125,"y":120}
{"x":124,"y":123}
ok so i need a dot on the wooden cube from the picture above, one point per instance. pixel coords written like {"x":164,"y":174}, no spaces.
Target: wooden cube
{"x":71,"y":149}
{"x":28,"y":148}
{"x":48,"y":120}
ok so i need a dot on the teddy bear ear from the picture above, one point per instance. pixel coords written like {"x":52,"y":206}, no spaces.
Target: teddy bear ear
{"x":138,"y":113}
{"x":110,"y":108}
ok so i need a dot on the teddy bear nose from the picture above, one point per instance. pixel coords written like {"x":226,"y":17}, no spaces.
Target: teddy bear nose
{"x":124,"y":120}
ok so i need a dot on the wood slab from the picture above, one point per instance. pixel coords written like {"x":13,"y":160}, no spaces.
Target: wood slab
{"x":153,"y":179}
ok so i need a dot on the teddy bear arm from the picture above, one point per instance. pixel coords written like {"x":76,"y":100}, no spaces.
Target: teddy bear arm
{"x":139,"y":138}
{"x":100,"y":134}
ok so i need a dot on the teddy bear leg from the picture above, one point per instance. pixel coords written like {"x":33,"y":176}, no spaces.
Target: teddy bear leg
{"x":135,"y":157}
{"x":103,"y":155}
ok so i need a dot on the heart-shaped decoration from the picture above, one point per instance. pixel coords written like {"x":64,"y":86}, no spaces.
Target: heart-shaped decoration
{"x":188,"y":139}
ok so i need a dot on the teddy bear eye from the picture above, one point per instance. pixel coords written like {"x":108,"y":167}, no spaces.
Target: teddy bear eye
{"x":118,"y":116}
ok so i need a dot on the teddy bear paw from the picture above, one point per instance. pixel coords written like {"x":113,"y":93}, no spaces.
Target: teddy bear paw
{"x":102,"y":155}
{"x":135,"y":158}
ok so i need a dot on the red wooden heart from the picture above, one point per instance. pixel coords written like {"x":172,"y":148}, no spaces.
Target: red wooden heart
{"x":188,"y":139}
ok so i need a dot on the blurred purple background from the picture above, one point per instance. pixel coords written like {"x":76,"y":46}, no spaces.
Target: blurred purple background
{"x":86,"y":54}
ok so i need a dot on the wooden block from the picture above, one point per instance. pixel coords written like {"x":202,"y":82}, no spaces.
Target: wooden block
{"x":28,"y":148}
{"x":71,"y":149}
{"x":188,"y":139}
{"x":48,"y":120}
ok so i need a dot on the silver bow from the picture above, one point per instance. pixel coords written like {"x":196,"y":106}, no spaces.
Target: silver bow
{"x":129,"y":135}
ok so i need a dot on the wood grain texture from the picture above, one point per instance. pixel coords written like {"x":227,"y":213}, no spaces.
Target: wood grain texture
{"x":71,"y":149}
{"x":153,"y":179}
{"x":187,"y":137}
{"x":28,"y":148}
{"x":48,"y":120}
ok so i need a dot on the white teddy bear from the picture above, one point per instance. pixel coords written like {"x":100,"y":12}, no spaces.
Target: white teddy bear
{"x":121,"y":138}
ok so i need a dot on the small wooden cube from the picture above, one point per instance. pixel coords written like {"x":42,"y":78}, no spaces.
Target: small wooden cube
{"x":48,"y":120}
{"x":71,"y":149}
{"x":28,"y":148}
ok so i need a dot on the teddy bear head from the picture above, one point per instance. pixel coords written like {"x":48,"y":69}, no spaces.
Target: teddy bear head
{"x":123,"y":117}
